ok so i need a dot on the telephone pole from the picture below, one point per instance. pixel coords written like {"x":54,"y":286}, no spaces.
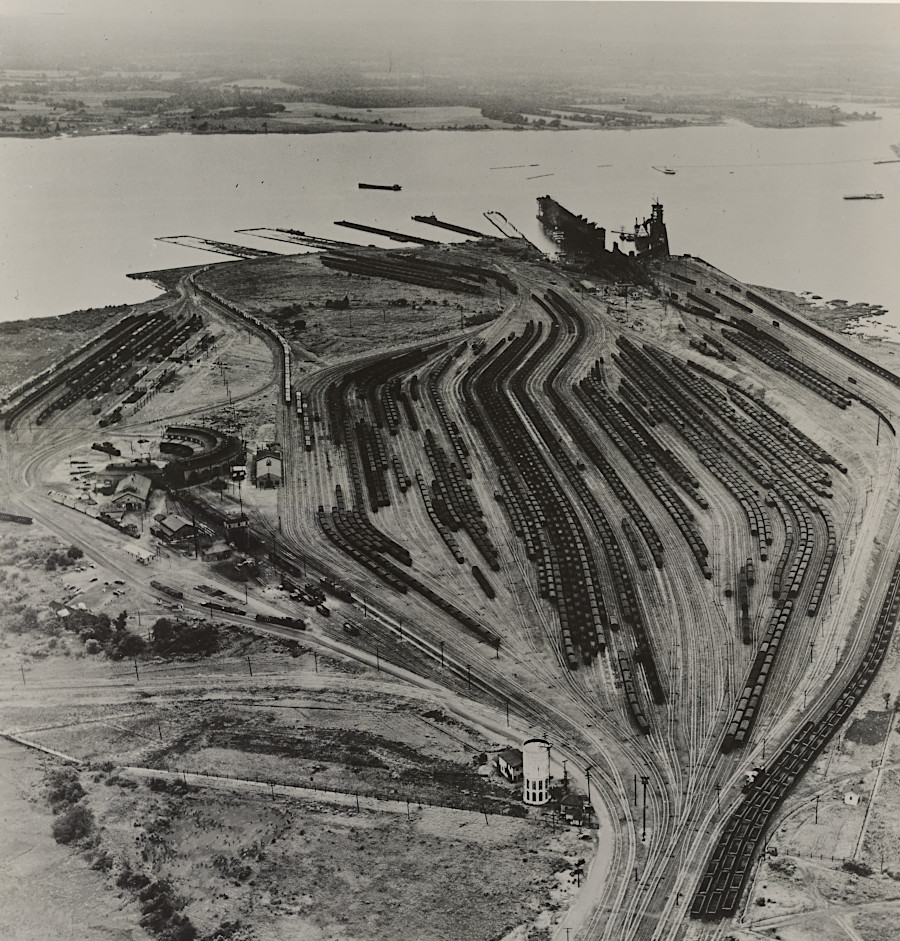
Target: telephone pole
{"x":645,"y":780}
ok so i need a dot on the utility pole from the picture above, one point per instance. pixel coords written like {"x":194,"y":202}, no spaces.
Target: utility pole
{"x":817,"y":808}
{"x":718,"y":803}
{"x":645,"y":780}
{"x":588,"y":772}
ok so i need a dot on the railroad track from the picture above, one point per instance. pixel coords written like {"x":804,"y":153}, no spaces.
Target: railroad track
{"x":533,"y":418}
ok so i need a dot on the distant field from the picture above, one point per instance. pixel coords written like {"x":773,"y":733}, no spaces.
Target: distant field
{"x":421,"y":118}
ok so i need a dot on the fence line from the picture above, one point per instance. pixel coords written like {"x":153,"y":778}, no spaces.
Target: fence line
{"x":343,"y":795}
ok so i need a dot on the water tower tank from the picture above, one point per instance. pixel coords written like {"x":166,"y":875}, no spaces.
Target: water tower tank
{"x":536,"y":771}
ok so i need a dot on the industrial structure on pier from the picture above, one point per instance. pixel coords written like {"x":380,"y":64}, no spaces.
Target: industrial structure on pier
{"x":585,"y":242}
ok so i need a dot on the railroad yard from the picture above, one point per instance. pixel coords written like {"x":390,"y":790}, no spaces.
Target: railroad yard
{"x":655,"y":523}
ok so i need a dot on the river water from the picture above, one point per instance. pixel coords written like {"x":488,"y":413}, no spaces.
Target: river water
{"x":764,"y":205}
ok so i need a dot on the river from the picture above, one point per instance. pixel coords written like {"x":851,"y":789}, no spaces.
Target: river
{"x":764,"y":205}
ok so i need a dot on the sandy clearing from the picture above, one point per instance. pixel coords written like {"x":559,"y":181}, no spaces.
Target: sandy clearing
{"x":48,"y":891}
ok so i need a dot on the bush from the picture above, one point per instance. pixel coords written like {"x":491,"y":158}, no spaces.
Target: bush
{"x":171,"y":638}
{"x":74,"y":825}
{"x":64,"y":788}
{"x":857,"y":868}
{"x":180,"y":929}
{"x":27,"y":623}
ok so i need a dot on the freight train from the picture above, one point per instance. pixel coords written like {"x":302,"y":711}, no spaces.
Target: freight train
{"x":260,"y":325}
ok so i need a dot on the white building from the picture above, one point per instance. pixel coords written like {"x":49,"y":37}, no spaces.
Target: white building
{"x":509,"y":764}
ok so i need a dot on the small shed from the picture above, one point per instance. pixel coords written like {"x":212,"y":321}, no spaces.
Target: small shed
{"x":575,"y":808}
{"x":509,"y":764}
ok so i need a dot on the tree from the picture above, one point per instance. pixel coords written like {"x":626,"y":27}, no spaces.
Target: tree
{"x":126,"y":644}
{"x":73,"y":552}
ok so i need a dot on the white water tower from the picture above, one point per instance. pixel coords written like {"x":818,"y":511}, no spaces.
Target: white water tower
{"x":536,"y":771}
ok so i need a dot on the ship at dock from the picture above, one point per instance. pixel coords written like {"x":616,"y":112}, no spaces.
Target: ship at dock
{"x":394,"y":187}
{"x":584,"y":242}
{"x":866,"y":196}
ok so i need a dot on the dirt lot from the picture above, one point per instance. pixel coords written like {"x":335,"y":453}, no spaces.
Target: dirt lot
{"x":311,"y":870}
{"x":272,"y":286}
{"x":34,"y":868}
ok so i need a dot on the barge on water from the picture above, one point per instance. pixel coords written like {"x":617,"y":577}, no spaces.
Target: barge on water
{"x":866,"y":196}
{"x":395,"y":187}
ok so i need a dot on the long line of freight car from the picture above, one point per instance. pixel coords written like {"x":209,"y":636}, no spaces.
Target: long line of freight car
{"x":771,"y":308}
{"x":398,"y":579}
{"x":540,"y":511}
{"x":426,"y":272}
{"x":800,"y":551}
{"x":287,"y":390}
{"x":733,"y":857}
{"x":112,"y":353}
{"x":823,"y":337}
{"x":559,"y":308}
{"x":400,"y":271}
{"x":47,"y":378}
{"x":157,"y":335}
{"x":15,"y":518}
{"x":762,"y":348}
{"x":566,"y":315}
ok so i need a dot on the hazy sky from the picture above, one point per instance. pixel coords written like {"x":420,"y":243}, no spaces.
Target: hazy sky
{"x":849,"y":46}
{"x":618,"y":19}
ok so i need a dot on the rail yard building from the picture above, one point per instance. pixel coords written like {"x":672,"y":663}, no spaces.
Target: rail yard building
{"x":132,"y":492}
